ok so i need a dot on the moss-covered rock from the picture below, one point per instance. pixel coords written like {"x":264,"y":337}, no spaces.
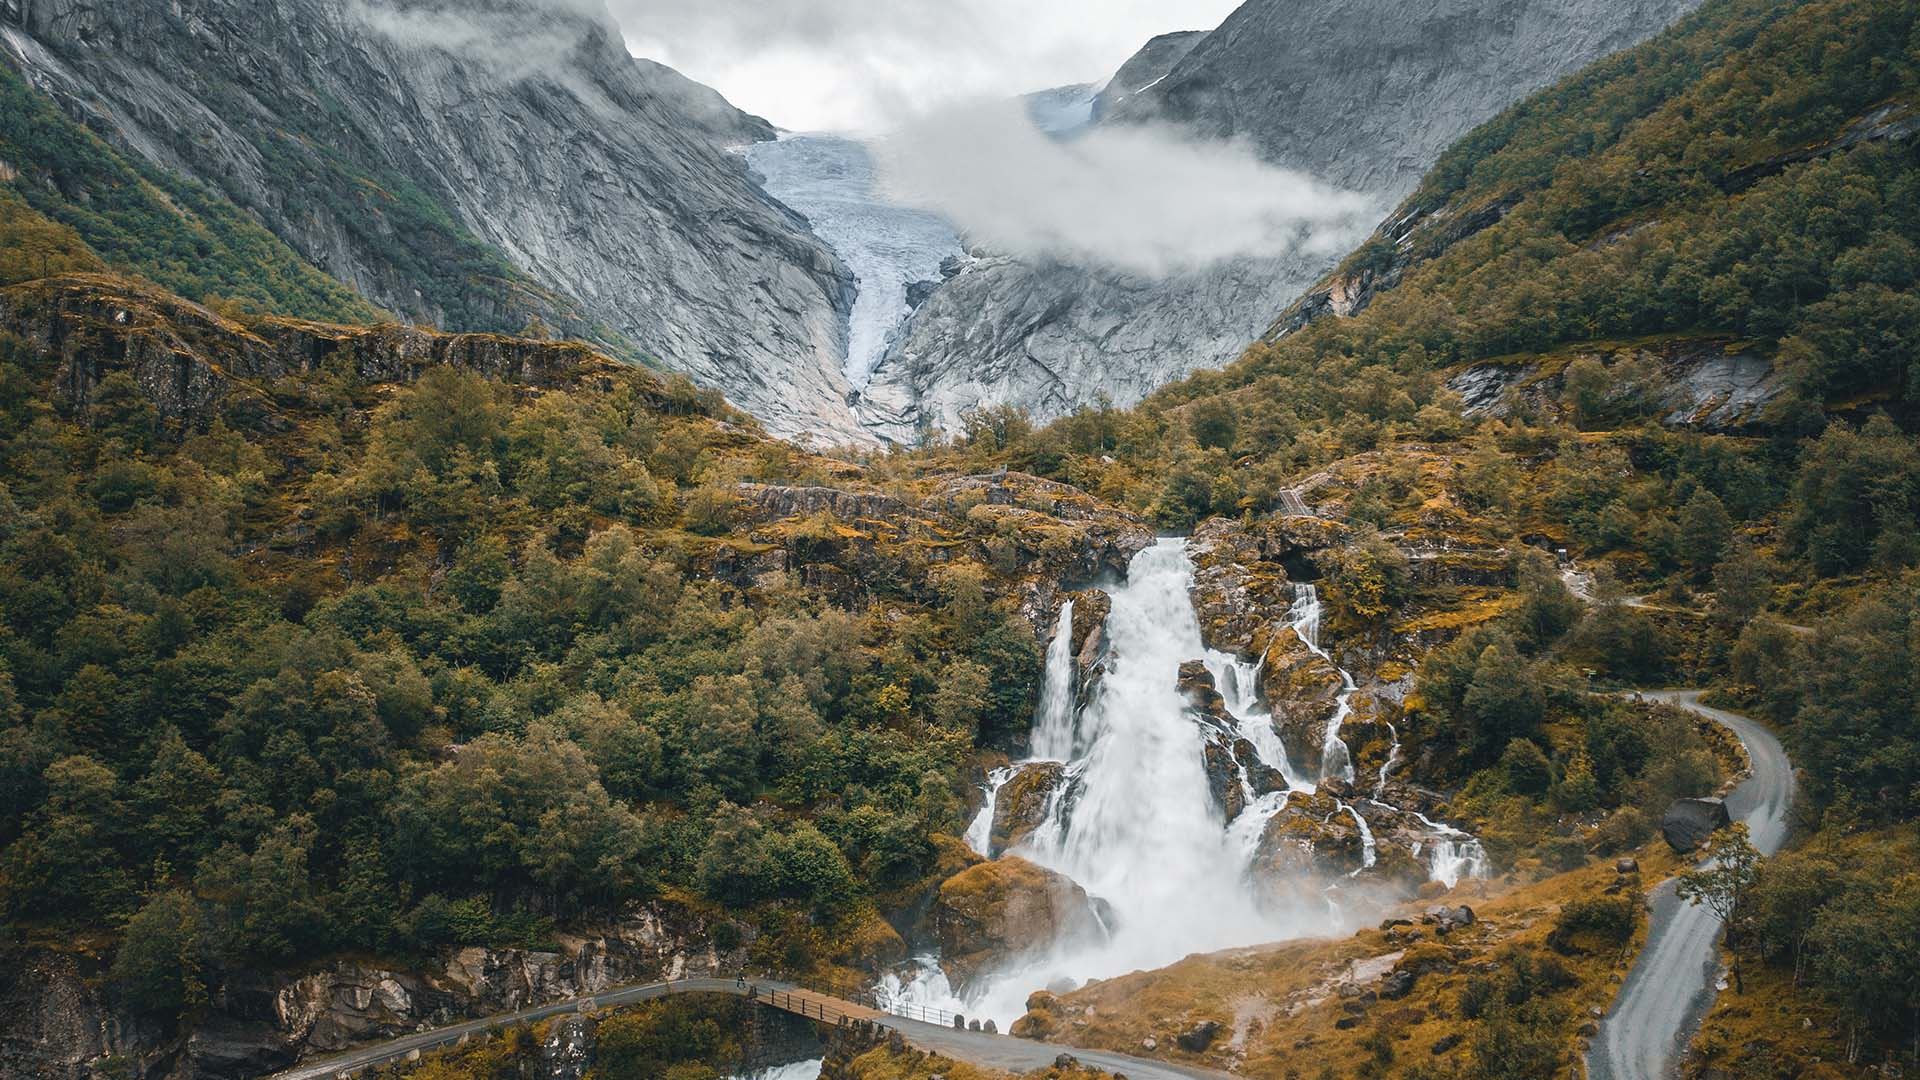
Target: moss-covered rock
{"x":1302,"y":690}
{"x":1022,"y":803}
{"x":997,"y":913}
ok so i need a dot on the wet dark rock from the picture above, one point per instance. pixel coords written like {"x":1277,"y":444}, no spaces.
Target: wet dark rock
{"x":1396,"y":985}
{"x":1446,"y":1042}
{"x":1302,"y":690}
{"x":1445,"y":919}
{"x":1199,"y":1037}
{"x":1689,"y":822}
{"x":998,"y":912}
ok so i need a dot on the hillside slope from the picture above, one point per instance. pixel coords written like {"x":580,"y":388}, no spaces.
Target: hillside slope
{"x":473,"y":166}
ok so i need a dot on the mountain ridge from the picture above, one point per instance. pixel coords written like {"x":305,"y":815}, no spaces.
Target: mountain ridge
{"x":524,"y":167}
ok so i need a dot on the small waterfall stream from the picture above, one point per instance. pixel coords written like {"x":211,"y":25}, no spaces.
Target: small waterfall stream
{"x":1336,"y":759}
{"x":1053,"y":724}
{"x":1144,"y":833}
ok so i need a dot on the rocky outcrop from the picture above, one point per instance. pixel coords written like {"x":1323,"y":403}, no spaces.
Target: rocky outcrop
{"x":55,"y":1022}
{"x":1145,"y":68}
{"x":1312,"y":840}
{"x":1713,"y":386}
{"x":1238,"y":594}
{"x":1021,"y":805}
{"x":998,"y":913}
{"x":1051,"y":337}
{"x":1364,"y":97}
{"x":1232,"y":765}
{"x":196,"y":366}
{"x":474,"y":164}
{"x":1400,"y":83}
{"x":1090,"y":610}
{"x":1302,"y":691}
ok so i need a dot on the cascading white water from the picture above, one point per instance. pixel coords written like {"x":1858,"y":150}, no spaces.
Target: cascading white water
{"x":1144,"y":834}
{"x":1453,"y":858}
{"x":1053,"y":723}
{"x":797,"y":1070}
{"x":979,"y":835}
{"x":1336,"y":759}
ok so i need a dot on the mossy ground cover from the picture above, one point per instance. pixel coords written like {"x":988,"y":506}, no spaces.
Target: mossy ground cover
{"x":1283,"y":1014}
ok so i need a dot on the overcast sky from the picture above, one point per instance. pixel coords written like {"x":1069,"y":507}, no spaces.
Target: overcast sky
{"x":869,"y":65}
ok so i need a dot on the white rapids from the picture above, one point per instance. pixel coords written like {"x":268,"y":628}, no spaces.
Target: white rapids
{"x":1145,"y":835}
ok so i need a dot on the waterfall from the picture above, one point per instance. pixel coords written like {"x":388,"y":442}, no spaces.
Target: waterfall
{"x":1386,"y":767}
{"x":1134,"y":821}
{"x":1454,"y":858}
{"x":1335,"y":759}
{"x":1053,"y":722}
{"x":979,"y":834}
{"x":1454,"y":854}
{"x":1145,"y":835}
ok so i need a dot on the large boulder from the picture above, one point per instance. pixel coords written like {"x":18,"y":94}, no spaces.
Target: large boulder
{"x":1312,"y":839}
{"x":1237,"y":594}
{"x":1690,"y":821}
{"x":1303,"y":692}
{"x":1090,"y":610}
{"x":1021,"y":806}
{"x":993,"y":915}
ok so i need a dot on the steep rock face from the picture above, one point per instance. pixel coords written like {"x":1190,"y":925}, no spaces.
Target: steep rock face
{"x":1233,"y":767}
{"x":1363,"y":96}
{"x":1302,"y":689}
{"x":473,"y":164}
{"x":1721,"y":387}
{"x":196,"y":366}
{"x":1146,"y":68}
{"x":1052,"y":336}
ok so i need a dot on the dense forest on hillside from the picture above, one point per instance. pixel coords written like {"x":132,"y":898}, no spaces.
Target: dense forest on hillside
{"x":364,"y":661}
{"x":449,"y":663}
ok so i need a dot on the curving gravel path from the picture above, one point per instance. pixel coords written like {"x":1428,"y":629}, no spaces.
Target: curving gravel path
{"x":1672,"y":983}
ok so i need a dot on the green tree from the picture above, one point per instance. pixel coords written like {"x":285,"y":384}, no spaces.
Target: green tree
{"x":1706,"y":531}
{"x":1723,"y":883}
{"x":158,"y":967}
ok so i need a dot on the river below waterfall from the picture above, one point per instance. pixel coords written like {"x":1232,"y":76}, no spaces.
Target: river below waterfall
{"x":832,"y":180}
{"x":1135,"y":821}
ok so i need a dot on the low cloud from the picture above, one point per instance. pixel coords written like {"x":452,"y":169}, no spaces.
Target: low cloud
{"x":871,"y":65}
{"x":508,"y":44}
{"x":1151,"y":201}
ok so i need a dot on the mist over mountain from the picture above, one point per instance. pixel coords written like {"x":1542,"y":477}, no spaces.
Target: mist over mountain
{"x":1359,"y":97}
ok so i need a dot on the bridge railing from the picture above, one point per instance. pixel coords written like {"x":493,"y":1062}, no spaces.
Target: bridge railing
{"x":867,"y":997}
